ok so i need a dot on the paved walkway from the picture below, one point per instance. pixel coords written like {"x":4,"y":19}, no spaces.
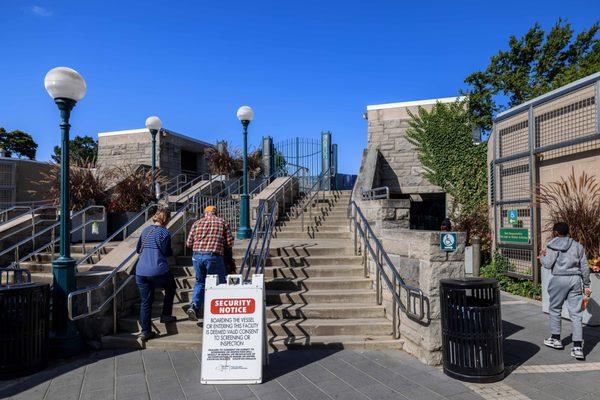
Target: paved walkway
{"x":534,"y":372}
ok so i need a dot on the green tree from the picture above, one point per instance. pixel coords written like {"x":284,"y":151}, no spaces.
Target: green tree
{"x":532,"y":65}
{"x":18,"y":143}
{"x":451,"y":160}
{"x":81,"y":148}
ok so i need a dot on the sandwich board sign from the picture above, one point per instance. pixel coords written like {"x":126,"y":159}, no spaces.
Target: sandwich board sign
{"x":234,"y":341}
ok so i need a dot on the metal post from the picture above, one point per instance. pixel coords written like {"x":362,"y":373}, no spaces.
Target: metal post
{"x":83,"y":233}
{"x":395,"y":308}
{"x":65,"y":337}
{"x":244,"y":231}
{"x":533,"y":208}
{"x":378,"y":276}
{"x":153,"y":132}
{"x":114,"y":282}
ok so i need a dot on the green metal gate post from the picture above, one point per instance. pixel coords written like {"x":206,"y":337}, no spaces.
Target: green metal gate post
{"x":326,"y":157}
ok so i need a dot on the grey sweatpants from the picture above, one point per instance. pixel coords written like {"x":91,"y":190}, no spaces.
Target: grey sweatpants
{"x":569,"y":288}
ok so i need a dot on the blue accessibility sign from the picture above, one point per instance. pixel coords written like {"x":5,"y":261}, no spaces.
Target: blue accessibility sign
{"x":448,"y":241}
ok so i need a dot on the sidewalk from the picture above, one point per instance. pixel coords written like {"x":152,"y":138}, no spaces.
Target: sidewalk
{"x":534,"y":372}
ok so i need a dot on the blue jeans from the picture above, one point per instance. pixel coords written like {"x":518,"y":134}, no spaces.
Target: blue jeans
{"x":205,"y":264}
{"x":146,"y":285}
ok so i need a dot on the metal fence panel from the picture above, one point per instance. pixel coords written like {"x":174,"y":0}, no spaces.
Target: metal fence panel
{"x":7,"y":183}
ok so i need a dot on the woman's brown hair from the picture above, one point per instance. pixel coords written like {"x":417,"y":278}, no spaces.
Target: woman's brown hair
{"x":162,"y":216}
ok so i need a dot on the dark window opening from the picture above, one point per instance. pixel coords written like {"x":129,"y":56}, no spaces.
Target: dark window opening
{"x":189,"y":161}
{"x":429,"y":213}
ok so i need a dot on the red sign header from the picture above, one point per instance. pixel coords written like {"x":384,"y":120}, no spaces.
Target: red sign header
{"x":232,"y":306}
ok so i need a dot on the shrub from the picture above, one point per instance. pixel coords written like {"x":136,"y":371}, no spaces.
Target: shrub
{"x":223,"y":162}
{"x":133,"y":190}
{"x":497,"y":268}
{"x":576,"y":201}
{"x":88,"y":186}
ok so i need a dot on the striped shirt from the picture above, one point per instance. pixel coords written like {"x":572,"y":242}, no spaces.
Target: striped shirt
{"x":153,"y":246}
{"x":210,"y":234}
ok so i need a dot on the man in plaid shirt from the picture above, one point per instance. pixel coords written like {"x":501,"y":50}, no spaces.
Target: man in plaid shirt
{"x":208,"y":238}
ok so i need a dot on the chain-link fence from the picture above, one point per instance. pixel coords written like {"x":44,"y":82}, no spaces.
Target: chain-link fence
{"x":562,"y":123}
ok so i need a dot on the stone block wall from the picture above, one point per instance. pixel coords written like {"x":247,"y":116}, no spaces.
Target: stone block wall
{"x":398,"y":166}
{"x":134,"y":147}
{"x":420,"y":262}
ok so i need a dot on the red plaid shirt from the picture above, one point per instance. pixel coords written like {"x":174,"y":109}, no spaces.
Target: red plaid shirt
{"x":209,"y":235}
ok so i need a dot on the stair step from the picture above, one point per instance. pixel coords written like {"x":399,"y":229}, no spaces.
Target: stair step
{"x":320,"y":296}
{"x":341,"y":228}
{"x":184,"y":295}
{"x":308,"y":271}
{"x":291,"y":261}
{"x":287,"y":311}
{"x":300,"y":327}
{"x":312,"y":235}
{"x":194,"y":342}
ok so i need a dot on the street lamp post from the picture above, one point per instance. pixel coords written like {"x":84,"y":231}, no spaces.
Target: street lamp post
{"x":245,"y":115}
{"x":66,"y":87}
{"x":154,"y":125}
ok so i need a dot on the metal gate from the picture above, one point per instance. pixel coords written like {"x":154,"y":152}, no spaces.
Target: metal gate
{"x":7,"y":183}
{"x":560,"y":123}
{"x":313,"y":156}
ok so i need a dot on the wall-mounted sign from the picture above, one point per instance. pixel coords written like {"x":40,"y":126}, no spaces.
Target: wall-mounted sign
{"x":514,"y":235}
{"x":513,"y":217}
{"x":233,"y":343}
{"x":448,"y":241}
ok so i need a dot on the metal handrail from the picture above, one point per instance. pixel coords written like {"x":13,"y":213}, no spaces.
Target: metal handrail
{"x":307,"y":201}
{"x":176,"y":180}
{"x":363,"y":237}
{"x":53,"y":239}
{"x":257,"y":251}
{"x":111,"y":279}
{"x":375,"y":193}
{"x":179,"y":190}
{"x":4,"y":213}
{"x":123,"y":229}
{"x":34,"y":221}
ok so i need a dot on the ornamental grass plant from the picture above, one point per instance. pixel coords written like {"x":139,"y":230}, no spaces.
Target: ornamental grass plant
{"x":576,"y":201}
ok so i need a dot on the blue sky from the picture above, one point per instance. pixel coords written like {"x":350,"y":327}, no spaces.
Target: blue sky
{"x":304,"y":66}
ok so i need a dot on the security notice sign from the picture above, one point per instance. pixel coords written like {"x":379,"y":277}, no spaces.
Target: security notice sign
{"x":233,"y":345}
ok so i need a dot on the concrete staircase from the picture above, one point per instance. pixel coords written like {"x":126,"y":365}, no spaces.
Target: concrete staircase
{"x":41,"y":264}
{"x":317,"y":294}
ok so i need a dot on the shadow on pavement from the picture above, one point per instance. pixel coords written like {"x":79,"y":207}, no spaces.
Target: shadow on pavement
{"x":286,"y":361}
{"x":516,"y":352}
{"x":54,"y":369}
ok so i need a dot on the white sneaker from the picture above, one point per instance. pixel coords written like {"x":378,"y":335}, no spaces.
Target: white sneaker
{"x":577,"y":352}
{"x":554,"y":343}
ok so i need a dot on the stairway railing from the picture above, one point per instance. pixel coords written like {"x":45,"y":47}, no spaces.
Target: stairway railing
{"x":309,"y":197}
{"x":111,"y":281}
{"x":375,"y":193}
{"x":51,"y":230}
{"x":367,"y":244}
{"x":4,"y":214}
{"x":123,"y":232}
{"x":258,"y":248}
{"x":34,"y":222}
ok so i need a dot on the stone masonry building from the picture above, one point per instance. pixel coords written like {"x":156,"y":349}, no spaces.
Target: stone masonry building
{"x":175,"y":153}
{"x":391,"y":161}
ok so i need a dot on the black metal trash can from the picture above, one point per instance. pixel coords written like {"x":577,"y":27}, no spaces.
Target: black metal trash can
{"x":24,"y":328}
{"x":472,"y":329}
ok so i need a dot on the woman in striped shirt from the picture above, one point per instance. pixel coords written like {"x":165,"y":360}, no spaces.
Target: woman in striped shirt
{"x":152,"y":272}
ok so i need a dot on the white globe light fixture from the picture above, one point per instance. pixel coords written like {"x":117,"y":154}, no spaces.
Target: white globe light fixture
{"x":154,"y":125}
{"x":245,"y":113}
{"x":65,"y":83}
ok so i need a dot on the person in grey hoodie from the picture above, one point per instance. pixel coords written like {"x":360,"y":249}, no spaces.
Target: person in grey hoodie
{"x":570,"y":279}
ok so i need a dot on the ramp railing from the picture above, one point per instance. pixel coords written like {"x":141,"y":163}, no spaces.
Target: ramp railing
{"x":367,"y":244}
{"x":258,"y":248}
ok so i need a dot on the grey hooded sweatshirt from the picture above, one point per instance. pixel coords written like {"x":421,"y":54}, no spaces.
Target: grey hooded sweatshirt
{"x":564,"y":256}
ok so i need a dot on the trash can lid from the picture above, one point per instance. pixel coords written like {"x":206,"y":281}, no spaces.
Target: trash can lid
{"x":468,"y":282}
